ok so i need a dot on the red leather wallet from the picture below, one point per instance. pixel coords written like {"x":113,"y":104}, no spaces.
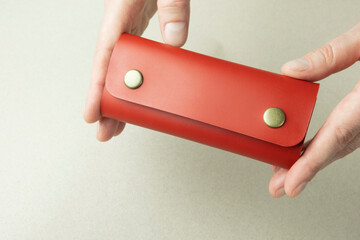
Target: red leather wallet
{"x":255,"y":113}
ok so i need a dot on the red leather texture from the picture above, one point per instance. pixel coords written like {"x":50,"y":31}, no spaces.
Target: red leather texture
{"x":208,"y":100}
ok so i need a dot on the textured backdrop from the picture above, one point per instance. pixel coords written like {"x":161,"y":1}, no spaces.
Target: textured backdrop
{"x":58,"y":182}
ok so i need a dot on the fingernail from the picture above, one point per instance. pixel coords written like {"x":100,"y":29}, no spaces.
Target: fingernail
{"x":175,"y":33}
{"x":300,"y":64}
{"x":280,"y":193}
{"x":299,"y":189}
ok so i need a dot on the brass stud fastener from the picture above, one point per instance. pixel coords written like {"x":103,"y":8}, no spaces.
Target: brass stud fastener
{"x":274,"y":117}
{"x":133,"y":79}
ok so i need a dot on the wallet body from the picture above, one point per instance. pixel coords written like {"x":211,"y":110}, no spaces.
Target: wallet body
{"x":208,"y":100}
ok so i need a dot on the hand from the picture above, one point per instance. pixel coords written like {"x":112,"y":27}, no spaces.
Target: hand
{"x":340,"y":134}
{"x":131,"y":16}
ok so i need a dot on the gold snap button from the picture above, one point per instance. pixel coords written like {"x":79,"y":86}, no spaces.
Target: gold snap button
{"x":274,"y":117}
{"x":133,"y":79}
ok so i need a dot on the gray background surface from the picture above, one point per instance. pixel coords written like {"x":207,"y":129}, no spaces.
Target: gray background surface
{"x":58,"y":182}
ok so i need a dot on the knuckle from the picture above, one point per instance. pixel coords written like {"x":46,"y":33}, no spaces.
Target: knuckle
{"x":326,"y":53}
{"x":351,"y":148}
{"x":343,"y":135}
{"x":173,"y":4}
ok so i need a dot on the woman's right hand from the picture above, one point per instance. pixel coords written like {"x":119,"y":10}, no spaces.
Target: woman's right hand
{"x":131,"y":16}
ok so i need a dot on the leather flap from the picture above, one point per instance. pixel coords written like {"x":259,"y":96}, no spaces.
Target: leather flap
{"x":217,"y":92}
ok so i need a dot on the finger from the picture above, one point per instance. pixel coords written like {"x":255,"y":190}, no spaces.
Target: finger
{"x":174,"y":20}
{"x":275,"y":168}
{"x":305,"y":146}
{"x":107,"y":128}
{"x":334,"y":56}
{"x":119,"y":129}
{"x":340,"y":129}
{"x":276,"y":184}
{"x":352,"y":146}
{"x":113,"y":25}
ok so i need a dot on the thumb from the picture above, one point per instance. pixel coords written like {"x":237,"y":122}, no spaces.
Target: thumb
{"x":174,"y":21}
{"x":333,"y":57}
